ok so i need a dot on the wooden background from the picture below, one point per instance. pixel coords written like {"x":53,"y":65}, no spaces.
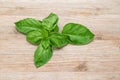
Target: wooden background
{"x":99,"y":60}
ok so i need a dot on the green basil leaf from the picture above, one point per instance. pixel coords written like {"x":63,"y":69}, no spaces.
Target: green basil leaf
{"x":43,"y":54}
{"x":58,"y":40}
{"x":35,"y":37}
{"x":56,"y":29}
{"x":50,"y":22}
{"x":77,"y":33}
{"x":27,"y":25}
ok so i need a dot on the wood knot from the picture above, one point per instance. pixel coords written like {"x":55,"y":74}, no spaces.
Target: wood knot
{"x":20,"y":8}
{"x":82,"y":67}
{"x":99,"y":38}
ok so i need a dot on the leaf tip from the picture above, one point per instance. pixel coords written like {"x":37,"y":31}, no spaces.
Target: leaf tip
{"x":15,"y":23}
{"x":37,"y":65}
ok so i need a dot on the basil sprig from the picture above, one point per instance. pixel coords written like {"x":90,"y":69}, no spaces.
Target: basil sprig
{"x":46,"y":35}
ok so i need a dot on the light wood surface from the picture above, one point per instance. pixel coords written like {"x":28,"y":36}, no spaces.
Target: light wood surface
{"x":99,"y":60}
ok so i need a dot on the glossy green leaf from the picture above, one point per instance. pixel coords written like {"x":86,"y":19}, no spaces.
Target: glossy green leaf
{"x":58,"y":40}
{"x":50,"y":22}
{"x":36,"y":36}
{"x":27,"y":25}
{"x":43,"y":53}
{"x":56,"y":29}
{"x":77,"y":33}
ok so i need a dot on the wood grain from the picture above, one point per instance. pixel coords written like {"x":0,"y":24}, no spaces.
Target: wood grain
{"x":99,"y":60}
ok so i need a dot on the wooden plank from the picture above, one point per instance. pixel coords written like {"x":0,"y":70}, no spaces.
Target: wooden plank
{"x":68,"y":7}
{"x":61,"y":65}
{"x":59,"y":76}
{"x":41,"y":9}
{"x":44,"y":1}
{"x":85,"y":3}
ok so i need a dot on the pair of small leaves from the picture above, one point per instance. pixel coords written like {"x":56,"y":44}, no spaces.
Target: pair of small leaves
{"x":46,"y":34}
{"x":50,"y":22}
